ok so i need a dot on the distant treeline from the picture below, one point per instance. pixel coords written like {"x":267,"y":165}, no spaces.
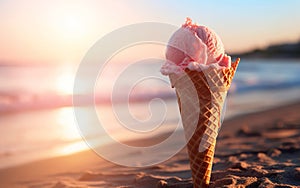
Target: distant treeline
{"x":287,"y":50}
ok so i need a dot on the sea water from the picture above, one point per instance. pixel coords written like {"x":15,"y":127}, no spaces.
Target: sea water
{"x":37,"y":118}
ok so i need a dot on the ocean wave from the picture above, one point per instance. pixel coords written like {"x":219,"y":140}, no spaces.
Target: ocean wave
{"x":10,"y":102}
{"x":242,"y":87}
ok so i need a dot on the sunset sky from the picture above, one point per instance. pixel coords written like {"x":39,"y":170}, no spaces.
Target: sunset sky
{"x":59,"y":32}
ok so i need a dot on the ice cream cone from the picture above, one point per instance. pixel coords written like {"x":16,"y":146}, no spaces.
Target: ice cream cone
{"x":201,"y":97}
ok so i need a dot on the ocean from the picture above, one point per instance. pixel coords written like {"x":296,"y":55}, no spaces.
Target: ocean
{"x":37,"y":118}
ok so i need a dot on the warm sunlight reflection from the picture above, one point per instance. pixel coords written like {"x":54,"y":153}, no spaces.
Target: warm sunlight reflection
{"x":64,"y":82}
{"x":69,"y":133}
{"x":69,"y":130}
{"x":73,"y":148}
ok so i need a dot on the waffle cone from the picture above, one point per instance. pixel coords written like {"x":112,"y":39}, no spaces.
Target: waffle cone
{"x":201,"y":97}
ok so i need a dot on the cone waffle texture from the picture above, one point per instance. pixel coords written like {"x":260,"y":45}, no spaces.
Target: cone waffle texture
{"x":201,"y":96}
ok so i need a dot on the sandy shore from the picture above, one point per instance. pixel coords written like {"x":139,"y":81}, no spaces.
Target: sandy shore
{"x":255,"y":150}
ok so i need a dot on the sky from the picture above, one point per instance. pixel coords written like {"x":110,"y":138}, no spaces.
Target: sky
{"x":61,"y":32}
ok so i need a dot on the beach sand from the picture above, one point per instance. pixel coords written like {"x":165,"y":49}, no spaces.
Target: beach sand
{"x":261,"y":149}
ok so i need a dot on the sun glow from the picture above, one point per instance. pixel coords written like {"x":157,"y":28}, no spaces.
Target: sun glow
{"x":72,"y":22}
{"x":72,"y":26}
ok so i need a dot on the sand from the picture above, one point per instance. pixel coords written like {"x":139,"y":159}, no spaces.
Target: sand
{"x":255,"y":150}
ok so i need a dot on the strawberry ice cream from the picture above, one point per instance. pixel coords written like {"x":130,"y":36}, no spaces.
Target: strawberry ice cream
{"x":195,"y":47}
{"x":201,"y":74}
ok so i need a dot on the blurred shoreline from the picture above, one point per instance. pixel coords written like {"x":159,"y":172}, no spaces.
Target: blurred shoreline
{"x":276,"y":52}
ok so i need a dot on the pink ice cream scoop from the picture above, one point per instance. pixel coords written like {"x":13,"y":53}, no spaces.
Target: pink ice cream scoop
{"x":193,"y":43}
{"x":215,"y":47}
